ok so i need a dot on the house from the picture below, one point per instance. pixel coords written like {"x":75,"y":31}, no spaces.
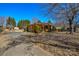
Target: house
{"x":9,"y":27}
{"x":43,"y":27}
{"x":16,"y":29}
{"x":60,"y":26}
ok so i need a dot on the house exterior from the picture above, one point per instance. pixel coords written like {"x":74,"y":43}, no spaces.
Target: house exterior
{"x":9,"y":27}
{"x":60,"y":26}
{"x":43,"y":27}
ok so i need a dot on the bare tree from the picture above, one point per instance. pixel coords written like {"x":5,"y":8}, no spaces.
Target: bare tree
{"x":2,"y":20}
{"x":76,"y":22}
{"x":35,"y":20}
{"x":65,"y":11}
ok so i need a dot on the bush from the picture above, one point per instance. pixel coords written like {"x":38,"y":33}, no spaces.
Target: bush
{"x":62,"y":29}
{"x":37,"y":28}
{"x":54,"y":28}
{"x":1,"y":30}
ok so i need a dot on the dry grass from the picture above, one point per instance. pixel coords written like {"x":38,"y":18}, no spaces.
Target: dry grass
{"x":57,"y":44}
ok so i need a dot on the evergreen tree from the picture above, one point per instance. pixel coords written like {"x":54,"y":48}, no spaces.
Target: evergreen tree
{"x":10,"y":22}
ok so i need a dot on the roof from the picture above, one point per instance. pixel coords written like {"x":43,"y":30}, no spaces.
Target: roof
{"x":42,"y":24}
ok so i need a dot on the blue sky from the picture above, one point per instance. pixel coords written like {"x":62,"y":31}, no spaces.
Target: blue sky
{"x":22,"y":11}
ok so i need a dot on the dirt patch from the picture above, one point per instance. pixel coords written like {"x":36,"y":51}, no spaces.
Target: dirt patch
{"x":47,"y":44}
{"x":28,"y":49}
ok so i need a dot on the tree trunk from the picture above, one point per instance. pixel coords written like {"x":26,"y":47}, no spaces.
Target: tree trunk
{"x":27,"y":29}
{"x":75,"y":28}
{"x":70,"y":26}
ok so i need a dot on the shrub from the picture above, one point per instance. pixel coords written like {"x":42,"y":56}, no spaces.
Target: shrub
{"x":37,"y":28}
